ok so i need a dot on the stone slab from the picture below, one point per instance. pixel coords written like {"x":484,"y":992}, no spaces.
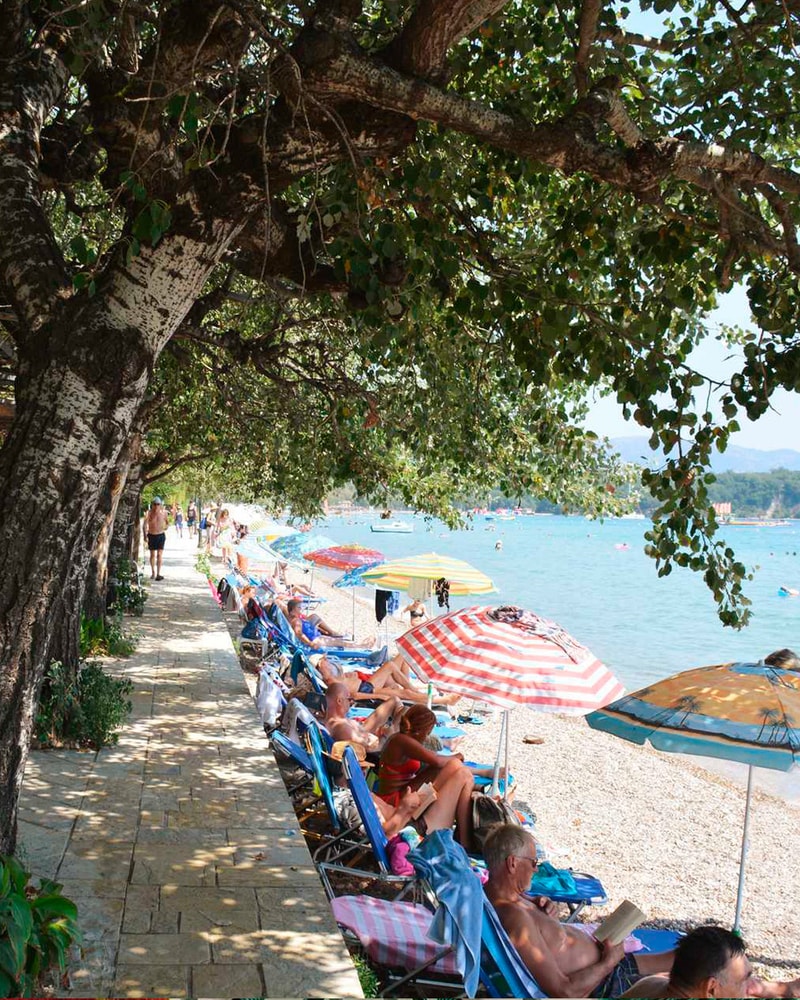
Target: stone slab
{"x":223,"y":910}
{"x":163,"y":949}
{"x":227,"y":981}
{"x":151,"y":981}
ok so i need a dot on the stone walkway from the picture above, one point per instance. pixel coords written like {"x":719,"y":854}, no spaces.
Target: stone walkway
{"x":179,"y":845}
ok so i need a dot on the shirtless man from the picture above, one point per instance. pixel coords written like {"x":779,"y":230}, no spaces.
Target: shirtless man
{"x":155,"y":534}
{"x":711,"y":962}
{"x":338,"y":701}
{"x":388,"y":681}
{"x":565,"y":961}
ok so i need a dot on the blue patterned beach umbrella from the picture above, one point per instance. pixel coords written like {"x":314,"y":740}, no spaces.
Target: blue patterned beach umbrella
{"x":746,"y":712}
{"x":296,"y":546}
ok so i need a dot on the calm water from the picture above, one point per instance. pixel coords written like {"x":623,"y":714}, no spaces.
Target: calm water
{"x":644,"y":628}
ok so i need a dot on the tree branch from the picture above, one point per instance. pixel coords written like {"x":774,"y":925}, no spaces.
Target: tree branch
{"x":587,"y":32}
{"x":32,"y":269}
{"x":433,"y":29}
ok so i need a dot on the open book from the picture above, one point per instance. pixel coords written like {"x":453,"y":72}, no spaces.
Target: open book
{"x":619,"y":924}
{"x":427,"y":795}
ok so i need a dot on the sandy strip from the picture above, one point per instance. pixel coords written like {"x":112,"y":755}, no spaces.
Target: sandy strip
{"x":656,"y":828}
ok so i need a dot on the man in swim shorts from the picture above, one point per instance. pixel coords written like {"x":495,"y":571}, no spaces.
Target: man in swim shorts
{"x":155,"y":534}
{"x":565,"y":961}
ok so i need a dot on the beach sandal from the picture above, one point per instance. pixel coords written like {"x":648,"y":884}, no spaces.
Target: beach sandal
{"x":474,"y":720}
{"x":536,"y":740}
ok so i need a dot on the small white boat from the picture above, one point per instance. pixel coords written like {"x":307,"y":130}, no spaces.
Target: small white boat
{"x":402,"y":527}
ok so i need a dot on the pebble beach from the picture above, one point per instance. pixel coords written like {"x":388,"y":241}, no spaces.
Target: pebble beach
{"x":658,"y":829}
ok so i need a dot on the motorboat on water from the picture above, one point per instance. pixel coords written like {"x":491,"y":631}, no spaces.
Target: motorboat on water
{"x":398,"y":527}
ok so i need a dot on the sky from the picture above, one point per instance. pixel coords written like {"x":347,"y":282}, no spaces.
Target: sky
{"x":778,"y":428}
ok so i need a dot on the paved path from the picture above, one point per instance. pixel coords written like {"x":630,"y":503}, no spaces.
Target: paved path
{"x":179,"y":844}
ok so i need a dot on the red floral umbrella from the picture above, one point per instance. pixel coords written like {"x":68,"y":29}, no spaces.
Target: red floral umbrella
{"x":345,"y":557}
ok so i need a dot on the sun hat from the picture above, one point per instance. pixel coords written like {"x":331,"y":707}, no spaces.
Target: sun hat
{"x":338,"y":748}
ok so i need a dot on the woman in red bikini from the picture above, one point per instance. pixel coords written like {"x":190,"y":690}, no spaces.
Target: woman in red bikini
{"x":405,"y":763}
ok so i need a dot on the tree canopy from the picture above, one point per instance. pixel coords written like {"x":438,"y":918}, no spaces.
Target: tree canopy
{"x":405,"y":236}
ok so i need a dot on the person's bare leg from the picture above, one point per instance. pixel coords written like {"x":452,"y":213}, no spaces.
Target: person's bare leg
{"x":382,"y":714}
{"x":153,"y":564}
{"x":456,"y":780}
{"x":159,"y":557}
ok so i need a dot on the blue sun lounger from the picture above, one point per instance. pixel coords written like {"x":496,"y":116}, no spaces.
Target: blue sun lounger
{"x":337,"y":854}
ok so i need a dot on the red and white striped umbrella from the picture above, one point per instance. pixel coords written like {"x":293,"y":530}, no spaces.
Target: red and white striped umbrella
{"x":508,"y":657}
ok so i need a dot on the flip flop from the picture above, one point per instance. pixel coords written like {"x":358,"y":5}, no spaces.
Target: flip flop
{"x":474,"y":720}
{"x":536,"y":740}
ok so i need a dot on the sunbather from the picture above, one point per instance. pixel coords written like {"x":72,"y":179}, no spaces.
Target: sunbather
{"x":711,"y":962}
{"x":311,"y":630}
{"x":365,"y":731}
{"x":406,"y":763}
{"x":565,"y":961}
{"x":388,"y":681}
{"x":440,"y":814}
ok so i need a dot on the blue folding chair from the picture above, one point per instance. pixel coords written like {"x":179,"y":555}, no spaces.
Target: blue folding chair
{"x":317,"y":754}
{"x":372,"y":657}
{"x":502,"y":972}
{"x":334,"y":856}
{"x":293,"y":750}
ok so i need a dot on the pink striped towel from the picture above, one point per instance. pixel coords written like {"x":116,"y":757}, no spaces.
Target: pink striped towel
{"x":394,"y":934}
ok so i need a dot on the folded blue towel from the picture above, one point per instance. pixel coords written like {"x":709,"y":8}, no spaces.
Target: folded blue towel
{"x":457,"y":921}
{"x":548,"y":880}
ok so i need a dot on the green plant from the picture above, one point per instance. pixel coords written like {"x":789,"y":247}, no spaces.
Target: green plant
{"x":104,"y":705}
{"x":85,"y":710}
{"x":105,"y":637}
{"x":37,"y":928}
{"x":203,"y":564}
{"x":129,"y":594}
{"x":366,"y":976}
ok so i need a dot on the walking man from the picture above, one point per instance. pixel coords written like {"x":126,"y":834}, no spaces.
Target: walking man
{"x":155,"y":534}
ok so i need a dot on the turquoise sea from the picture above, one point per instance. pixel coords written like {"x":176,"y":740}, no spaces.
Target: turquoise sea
{"x":594,"y":579}
{"x":572,"y":570}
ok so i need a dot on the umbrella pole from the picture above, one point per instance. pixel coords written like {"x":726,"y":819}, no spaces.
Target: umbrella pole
{"x":353,"y":592}
{"x":745,"y":845}
{"x":496,"y":775}
{"x":505,"y":780}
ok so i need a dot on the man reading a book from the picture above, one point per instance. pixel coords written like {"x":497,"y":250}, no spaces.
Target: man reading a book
{"x":711,"y":962}
{"x":565,"y":961}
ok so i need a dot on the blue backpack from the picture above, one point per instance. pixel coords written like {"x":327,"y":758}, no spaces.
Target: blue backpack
{"x":255,"y":629}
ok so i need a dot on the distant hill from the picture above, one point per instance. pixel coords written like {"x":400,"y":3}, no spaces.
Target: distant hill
{"x":636,"y":449}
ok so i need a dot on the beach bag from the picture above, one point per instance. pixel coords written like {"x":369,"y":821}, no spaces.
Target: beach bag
{"x":269,"y":701}
{"x":486,"y":813}
{"x":223,"y":589}
{"x":255,"y":629}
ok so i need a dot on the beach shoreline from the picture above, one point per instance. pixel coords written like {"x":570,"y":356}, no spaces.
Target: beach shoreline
{"x":659,"y":829}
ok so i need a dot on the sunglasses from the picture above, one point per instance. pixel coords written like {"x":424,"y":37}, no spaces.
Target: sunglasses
{"x":533,"y":862}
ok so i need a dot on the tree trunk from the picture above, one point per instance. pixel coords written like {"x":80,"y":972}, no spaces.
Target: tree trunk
{"x":94,"y":602}
{"x":126,"y":533}
{"x":82,"y":379}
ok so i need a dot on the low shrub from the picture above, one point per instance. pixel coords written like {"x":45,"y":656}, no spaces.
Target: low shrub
{"x":203,"y":564}
{"x":367,"y":976}
{"x":86,"y":710}
{"x":128,"y":594}
{"x":105,"y":637}
{"x":37,"y":928}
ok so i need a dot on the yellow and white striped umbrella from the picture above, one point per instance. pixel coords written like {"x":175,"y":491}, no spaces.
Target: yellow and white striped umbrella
{"x":266,"y":527}
{"x":399,"y":574}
